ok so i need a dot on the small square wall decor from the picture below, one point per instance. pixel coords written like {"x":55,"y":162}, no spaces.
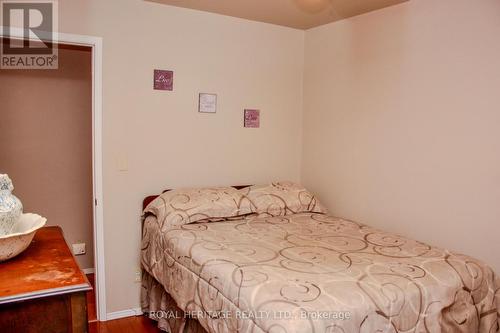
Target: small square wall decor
{"x":163,"y":80}
{"x":252,"y":118}
{"x":207,"y":103}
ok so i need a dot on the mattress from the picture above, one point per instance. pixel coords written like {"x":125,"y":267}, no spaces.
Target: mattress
{"x":312,"y":272}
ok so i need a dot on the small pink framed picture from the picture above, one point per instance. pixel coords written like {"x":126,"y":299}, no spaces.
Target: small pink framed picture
{"x":163,"y":80}
{"x":252,"y":118}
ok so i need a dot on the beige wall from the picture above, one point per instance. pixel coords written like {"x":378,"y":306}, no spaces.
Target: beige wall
{"x":401,"y":121}
{"x":46,"y":143}
{"x":165,"y":141}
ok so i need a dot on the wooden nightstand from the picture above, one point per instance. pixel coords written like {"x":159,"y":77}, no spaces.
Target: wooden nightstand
{"x":43,"y":289}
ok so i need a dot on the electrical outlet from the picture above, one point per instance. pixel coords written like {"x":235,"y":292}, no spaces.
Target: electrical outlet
{"x":78,"y":249}
{"x":137,"y":275}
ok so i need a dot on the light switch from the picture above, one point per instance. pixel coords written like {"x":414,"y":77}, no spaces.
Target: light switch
{"x":122,"y":163}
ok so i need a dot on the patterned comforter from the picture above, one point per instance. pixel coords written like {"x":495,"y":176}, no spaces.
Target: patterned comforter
{"x":312,"y":272}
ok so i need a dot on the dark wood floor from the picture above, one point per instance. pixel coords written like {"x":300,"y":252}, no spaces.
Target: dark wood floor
{"x":139,"y":324}
{"x":91,"y":308}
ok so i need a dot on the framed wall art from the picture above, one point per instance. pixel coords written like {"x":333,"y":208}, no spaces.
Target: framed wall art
{"x":252,"y":118}
{"x":163,"y":80}
{"x":207,"y":103}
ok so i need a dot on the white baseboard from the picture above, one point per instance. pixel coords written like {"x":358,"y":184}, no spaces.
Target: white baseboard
{"x":88,"y":271}
{"x":123,"y":314}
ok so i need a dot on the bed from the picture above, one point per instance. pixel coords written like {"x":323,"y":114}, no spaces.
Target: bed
{"x":276,"y":261}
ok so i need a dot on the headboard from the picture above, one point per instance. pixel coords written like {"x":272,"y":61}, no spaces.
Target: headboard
{"x":147,"y":200}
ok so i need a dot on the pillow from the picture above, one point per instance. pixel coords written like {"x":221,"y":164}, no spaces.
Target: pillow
{"x":282,"y":198}
{"x":184,"y":206}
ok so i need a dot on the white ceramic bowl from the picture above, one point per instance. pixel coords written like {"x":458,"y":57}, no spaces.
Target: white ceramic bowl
{"x":22,"y":234}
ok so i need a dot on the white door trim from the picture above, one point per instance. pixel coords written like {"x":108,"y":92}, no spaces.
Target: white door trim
{"x":96,"y":44}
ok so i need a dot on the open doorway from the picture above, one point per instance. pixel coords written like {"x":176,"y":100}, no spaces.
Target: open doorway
{"x":51,"y":147}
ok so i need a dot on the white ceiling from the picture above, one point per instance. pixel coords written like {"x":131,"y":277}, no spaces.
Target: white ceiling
{"x":300,"y":14}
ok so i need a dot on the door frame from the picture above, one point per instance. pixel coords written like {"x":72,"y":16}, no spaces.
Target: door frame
{"x":98,"y":222}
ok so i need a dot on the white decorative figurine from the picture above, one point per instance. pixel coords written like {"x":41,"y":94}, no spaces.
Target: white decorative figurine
{"x":10,"y":206}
